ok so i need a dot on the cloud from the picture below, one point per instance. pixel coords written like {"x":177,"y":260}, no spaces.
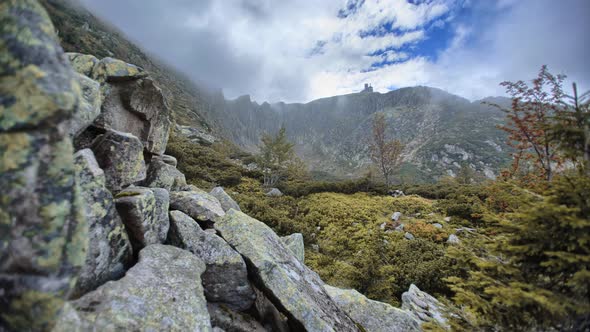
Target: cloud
{"x":300,"y":50}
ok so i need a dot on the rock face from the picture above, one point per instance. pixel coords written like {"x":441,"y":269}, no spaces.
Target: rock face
{"x":109,"y":249}
{"x":372,"y":315}
{"x":294,"y":242}
{"x":226,"y":278}
{"x":162,"y":292}
{"x":120,"y":155}
{"x":224,"y":199}
{"x":132,"y":102}
{"x":424,"y":307}
{"x":144,"y":220}
{"x":89,"y":107}
{"x":197,"y":204}
{"x":43,"y":232}
{"x":137,"y":107}
{"x":291,"y":285}
{"x":162,"y":175}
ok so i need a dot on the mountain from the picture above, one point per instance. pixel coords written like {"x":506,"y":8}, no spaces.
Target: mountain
{"x":80,"y":31}
{"x":441,"y":131}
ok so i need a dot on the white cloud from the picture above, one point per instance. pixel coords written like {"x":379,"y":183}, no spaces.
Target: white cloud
{"x":301,"y":50}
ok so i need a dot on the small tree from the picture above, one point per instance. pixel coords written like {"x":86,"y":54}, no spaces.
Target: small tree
{"x":529,"y":122}
{"x":275,"y":154}
{"x":571,"y":128}
{"x":386,"y":154}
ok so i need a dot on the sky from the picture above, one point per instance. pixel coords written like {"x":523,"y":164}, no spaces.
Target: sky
{"x":300,"y":50}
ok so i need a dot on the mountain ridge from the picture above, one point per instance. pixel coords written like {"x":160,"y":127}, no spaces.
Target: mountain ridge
{"x":326,"y":131}
{"x":328,"y":127}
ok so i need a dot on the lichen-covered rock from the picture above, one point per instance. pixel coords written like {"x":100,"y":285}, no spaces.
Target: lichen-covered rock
{"x":83,"y":63}
{"x":120,"y":155}
{"x":424,"y":307}
{"x":137,"y":107}
{"x":89,"y":107}
{"x":115,"y":70}
{"x":226,"y":277}
{"x":373,"y":316}
{"x":162,"y":292}
{"x":37,"y":85}
{"x":294,"y":242}
{"x":162,"y":175}
{"x":229,"y":320}
{"x":43,"y":232}
{"x":162,"y":206}
{"x":109,"y":250}
{"x":143,"y":219}
{"x":296,"y":290}
{"x":169,"y":160}
{"x":224,"y":199}
{"x":197,"y":204}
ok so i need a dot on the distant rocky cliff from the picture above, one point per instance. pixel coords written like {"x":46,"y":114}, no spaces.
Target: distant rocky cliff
{"x":442,"y":132}
{"x":100,"y":231}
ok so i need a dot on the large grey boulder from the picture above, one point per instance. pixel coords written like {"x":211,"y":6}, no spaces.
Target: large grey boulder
{"x":109,"y":250}
{"x":162,"y":175}
{"x":198,"y":205}
{"x":224,"y":199}
{"x":43,"y":231}
{"x":293,"y":287}
{"x":294,"y":242}
{"x":227,"y":319}
{"x":424,"y":307}
{"x":274,"y":192}
{"x":143,"y":212}
{"x":120,"y":155}
{"x":226,"y":277}
{"x":89,"y":107}
{"x":137,"y":107}
{"x":374,"y":316}
{"x":162,"y":292}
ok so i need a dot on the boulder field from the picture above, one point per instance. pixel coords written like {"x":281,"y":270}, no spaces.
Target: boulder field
{"x":100,"y":232}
